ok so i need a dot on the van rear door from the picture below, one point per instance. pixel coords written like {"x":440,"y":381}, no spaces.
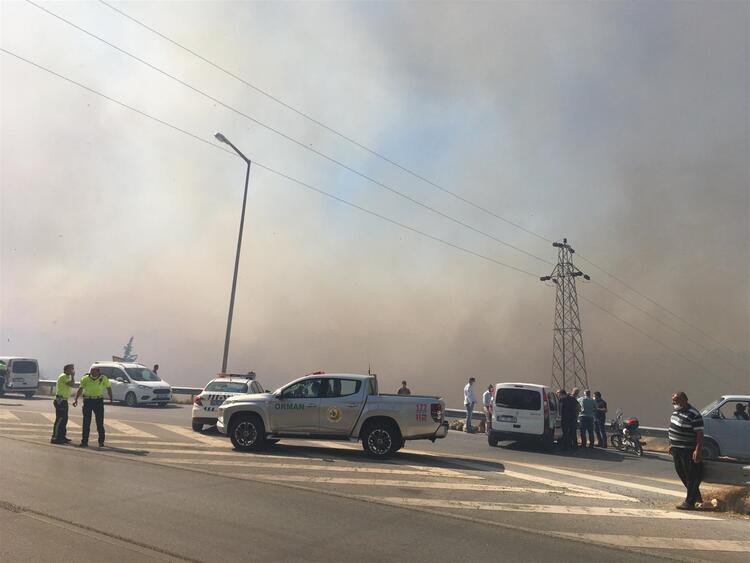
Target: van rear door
{"x":24,"y":374}
{"x":519,"y":410}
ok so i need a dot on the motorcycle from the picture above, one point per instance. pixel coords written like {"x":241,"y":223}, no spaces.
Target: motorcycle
{"x":625,"y":436}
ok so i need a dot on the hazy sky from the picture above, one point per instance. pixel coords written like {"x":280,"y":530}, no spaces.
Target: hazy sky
{"x":622,"y":126}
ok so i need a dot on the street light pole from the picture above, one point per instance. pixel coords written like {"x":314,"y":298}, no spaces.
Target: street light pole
{"x":221,"y":138}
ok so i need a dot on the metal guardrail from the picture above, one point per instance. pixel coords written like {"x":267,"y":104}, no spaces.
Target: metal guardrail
{"x":175,"y":390}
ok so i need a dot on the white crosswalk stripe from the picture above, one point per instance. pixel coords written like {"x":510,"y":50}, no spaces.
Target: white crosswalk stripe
{"x":192,"y":435}
{"x":51,"y":417}
{"x":541,"y":508}
{"x":7,"y":415}
{"x":661,"y":542}
{"x":127,"y":429}
{"x":456,"y":486}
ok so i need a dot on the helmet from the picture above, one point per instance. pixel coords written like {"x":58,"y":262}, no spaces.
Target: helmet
{"x":631,"y":423}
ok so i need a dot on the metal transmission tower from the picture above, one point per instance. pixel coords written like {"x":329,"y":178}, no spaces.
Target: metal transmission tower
{"x":568,"y":360}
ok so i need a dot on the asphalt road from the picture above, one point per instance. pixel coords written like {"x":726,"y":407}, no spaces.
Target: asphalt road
{"x":160,"y":491}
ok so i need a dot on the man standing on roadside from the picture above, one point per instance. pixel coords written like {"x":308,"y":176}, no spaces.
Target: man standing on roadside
{"x":403,"y":390}
{"x":601,"y":420}
{"x":63,"y":391}
{"x":685,"y":446}
{"x":469,"y":401}
{"x":92,"y":387}
{"x":487,"y":403}
{"x":568,"y":416}
{"x":588,"y":410}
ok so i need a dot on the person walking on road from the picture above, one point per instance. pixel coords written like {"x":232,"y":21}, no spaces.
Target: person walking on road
{"x":469,"y":401}
{"x":685,"y":447}
{"x":568,"y":416}
{"x":487,"y":403}
{"x":63,"y":391}
{"x":588,"y":410}
{"x":92,"y":387}
{"x":601,"y":420}
{"x":403,"y":390}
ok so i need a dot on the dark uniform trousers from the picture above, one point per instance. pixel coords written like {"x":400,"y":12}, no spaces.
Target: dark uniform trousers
{"x":690,"y":473}
{"x":60,"y":429}
{"x":97,"y":407}
{"x":569,"y":437}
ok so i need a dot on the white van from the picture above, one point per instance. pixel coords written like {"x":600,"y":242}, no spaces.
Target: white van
{"x":524,"y":411}
{"x":134,"y":384}
{"x":21,"y":375}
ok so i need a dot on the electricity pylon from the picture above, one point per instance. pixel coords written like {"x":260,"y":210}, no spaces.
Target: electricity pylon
{"x":568,"y":360}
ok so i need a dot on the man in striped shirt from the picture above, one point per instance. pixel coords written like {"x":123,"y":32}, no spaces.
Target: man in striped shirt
{"x":685,"y":445}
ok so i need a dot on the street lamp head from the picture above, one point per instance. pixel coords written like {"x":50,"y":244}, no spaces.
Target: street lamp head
{"x":221,"y":138}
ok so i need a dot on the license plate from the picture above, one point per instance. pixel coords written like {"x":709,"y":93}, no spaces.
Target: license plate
{"x":216,"y":402}
{"x":507,"y":418}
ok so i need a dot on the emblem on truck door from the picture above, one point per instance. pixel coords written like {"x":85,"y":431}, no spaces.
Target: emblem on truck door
{"x":334,"y":414}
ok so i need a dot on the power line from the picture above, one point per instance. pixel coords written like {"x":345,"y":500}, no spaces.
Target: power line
{"x":411,"y":172}
{"x":324,"y":126}
{"x":341,"y":200}
{"x":273,"y":170}
{"x":292,"y":139}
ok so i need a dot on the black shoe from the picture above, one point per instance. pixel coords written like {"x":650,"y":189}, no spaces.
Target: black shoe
{"x":67,"y":440}
{"x":101,"y":444}
{"x":53,"y":441}
{"x":83,"y":445}
{"x":685,"y":506}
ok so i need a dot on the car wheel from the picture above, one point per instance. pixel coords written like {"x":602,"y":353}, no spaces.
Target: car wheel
{"x":380,"y":440}
{"x":492,"y":441}
{"x":29,"y":395}
{"x":130,"y":400}
{"x":710,"y":449}
{"x":247,"y":432}
{"x":197,"y":426}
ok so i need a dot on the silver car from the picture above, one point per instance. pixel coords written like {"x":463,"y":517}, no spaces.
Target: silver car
{"x":727,"y":427}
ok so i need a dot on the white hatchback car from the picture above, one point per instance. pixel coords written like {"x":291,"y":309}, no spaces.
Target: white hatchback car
{"x":206,"y":405}
{"x":134,"y":384}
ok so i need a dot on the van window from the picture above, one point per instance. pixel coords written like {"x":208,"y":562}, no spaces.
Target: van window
{"x":519,"y":399}
{"x":24,"y":366}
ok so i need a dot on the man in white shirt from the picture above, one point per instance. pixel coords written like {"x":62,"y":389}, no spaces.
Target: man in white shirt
{"x":469,"y":402}
{"x":487,"y":402}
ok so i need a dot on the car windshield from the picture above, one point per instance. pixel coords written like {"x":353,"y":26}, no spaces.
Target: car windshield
{"x":227,"y":387}
{"x":142,"y":374}
{"x":711,"y":406}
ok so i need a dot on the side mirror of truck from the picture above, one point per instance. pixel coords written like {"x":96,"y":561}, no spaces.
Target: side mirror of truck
{"x":714,"y":414}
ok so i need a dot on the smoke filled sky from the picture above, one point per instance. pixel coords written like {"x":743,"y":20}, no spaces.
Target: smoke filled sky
{"x":623,"y":126}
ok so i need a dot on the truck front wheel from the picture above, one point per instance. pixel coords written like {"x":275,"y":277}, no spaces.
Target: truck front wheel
{"x":380,"y":440}
{"x":247,"y":432}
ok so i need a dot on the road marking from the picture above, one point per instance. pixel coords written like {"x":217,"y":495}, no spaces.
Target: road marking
{"x":128,"y":430}
{"x":661,"y":543}
{"x":299,"y":466}
{"x":590,"y":477}
{"x":51,"y":417}
{"x":192,"y":435}
{"x":7,"y":415}
{"x":419,"y":485}
{"x":34,"y":432}
{"x":549,"y":482}
{"x":542,"y":508}
{"x":229,"y":453}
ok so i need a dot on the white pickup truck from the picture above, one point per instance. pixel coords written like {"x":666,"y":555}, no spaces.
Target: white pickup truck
{"x":332,"y":407}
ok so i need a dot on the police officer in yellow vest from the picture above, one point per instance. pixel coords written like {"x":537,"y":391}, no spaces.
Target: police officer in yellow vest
{"x":63,"y":391}
{"x":92,"y":387}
